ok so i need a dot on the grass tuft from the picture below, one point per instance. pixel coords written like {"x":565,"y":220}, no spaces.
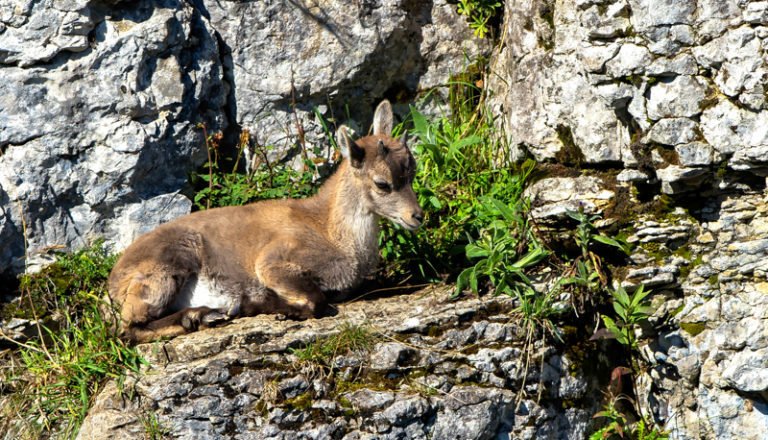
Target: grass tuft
{"x":351,"y":338}
{"x":56,"y":374}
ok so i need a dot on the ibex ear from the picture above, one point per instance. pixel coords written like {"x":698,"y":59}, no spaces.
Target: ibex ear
{"x":349,"y":149}
{"x":382,"y":119}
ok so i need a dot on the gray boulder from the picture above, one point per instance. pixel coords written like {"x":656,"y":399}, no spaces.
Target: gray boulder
{"x":98,"y":111}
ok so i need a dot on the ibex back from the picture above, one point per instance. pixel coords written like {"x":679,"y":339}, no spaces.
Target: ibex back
{"x":287,"y":256}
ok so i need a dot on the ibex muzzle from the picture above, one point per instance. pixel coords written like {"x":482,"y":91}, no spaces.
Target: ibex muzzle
{"x":287,"y":256}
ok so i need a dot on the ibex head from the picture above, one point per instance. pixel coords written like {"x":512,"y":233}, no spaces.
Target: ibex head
{"x":383,"y":169}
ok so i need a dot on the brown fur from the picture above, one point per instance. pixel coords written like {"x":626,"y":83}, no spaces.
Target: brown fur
{"x":278,"y":256}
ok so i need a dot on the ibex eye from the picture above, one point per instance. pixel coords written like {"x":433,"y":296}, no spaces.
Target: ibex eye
{"x":384,"y":186}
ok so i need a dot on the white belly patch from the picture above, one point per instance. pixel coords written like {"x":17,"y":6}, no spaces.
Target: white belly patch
{"x":202,"y":292}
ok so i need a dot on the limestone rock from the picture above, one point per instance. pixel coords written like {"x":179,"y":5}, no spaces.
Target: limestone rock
{"x":695,"y":154}
{"x":740,"y":68}
{"x":689,"y":75}
{"x":551,"y":198}
{"x":474,"y":413}
{"x":630,"y":175}
{"x":543,"y":98}
{"x":676,"y":97}
{"x":756,"y":12}
{"x":673,"y":131}
{"x":36,"y":33}
{"x":336,"y":57}
{"x":730,"y":129}
{"x":630,"y":60}
{"x":683,"y":64}
{"x":17,"y":330}
{"x":594,"y":57}
{"x":607,"y":22}
{"x":389,"y":356}
{"x":368,"y":400}
{"x":676,"y":179}
{"x":670,"y":40}
{"x":649,"y":14}
{"x":114,"y":109}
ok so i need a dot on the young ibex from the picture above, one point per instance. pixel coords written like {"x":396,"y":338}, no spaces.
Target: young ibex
{"x":287,"y":256}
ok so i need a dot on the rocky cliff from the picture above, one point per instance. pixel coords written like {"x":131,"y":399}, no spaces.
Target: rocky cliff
{"x":655,"y":114}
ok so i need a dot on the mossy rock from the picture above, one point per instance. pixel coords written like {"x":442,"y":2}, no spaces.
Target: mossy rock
{"x":693,"y":328}
{"x":570,"y":154}
{"x":300,"y":402}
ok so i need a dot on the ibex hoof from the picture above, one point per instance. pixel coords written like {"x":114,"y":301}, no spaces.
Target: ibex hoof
{"x":234,"y":308}
{"x":214,"y":318}
{"x":193,"y":319}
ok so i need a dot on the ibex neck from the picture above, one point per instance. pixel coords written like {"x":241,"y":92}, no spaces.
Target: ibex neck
{"x":350,"y":223}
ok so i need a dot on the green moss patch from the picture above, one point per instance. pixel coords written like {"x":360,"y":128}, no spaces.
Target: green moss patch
{"x":570,"y":154}
{"x":693,"y":328}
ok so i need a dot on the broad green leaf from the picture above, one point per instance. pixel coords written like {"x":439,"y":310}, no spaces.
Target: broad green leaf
{"x":606,"y":240}
{"x":473,"y":280}
{"x":579,"y":217}
{"x":508,"y":214}
{"x":474,"y":251}
{"x":532,"y":257}
{"x":471,"y":140}
{"x":620,"y":310}
{"x":621,"y":295}
{"x":420,"y":124}
{"x":462,"y":281}
{"x":639,"y":295}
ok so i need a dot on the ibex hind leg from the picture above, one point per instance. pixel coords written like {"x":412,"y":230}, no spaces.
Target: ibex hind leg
{"x":179,"y":323}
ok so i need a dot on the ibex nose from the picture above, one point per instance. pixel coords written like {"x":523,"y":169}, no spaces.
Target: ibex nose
{"x":418,"y":215}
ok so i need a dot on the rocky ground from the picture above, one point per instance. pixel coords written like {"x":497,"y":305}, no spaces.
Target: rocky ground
{"x":434,"y":368}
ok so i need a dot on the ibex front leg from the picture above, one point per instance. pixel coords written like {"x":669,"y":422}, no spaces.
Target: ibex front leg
{"x":291,"y":290}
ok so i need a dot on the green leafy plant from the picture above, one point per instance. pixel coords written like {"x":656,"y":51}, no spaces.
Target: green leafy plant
{"x":232,"y":186}
{"x":56,"y":374}
{"x":618,"y":424}
{"x":479,"y":12}
{"x":536,"y":310}
{"x":586,"y":272}
{"x":631,"y":310}
{"x":504,"y":249}
{"x":586,"y":233}
{"x":617,"y":420}
{"x":152,"y":427}
{"x":461,"y":167}
{"x":649,"y":432}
